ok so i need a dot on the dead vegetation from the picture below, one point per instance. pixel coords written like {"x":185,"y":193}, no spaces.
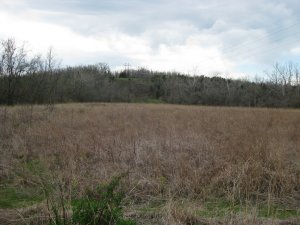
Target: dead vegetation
{"x":177,"y":158}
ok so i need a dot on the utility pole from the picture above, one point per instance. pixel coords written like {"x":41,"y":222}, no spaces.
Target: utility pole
{"x":127,"y":66}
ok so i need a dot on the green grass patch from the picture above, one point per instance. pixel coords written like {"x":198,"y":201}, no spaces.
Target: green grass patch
{"x":221,"y":208}
{"x":148,"y":100}
{"x":279,"y":212}
{"x":152,"y":207}
{"x":218,"y":208}
{"x":16,"y":198}
{"x":16,"y":195}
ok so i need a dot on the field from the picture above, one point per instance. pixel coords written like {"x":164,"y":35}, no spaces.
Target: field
{"x":179,"y":164}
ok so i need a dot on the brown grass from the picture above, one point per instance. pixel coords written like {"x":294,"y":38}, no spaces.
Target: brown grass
{"x":170,"y":152}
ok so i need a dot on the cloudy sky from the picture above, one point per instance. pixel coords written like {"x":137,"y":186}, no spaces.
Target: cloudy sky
{"x":233,"y":37}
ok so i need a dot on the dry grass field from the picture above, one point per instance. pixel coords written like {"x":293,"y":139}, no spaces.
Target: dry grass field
{"x":182,"y":164}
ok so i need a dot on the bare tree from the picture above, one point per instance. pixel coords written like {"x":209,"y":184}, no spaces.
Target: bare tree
{"x":279,"y":74}
{"x":13,"y":64}
{"x":35,"y":65}
{"x":103,"y":68}
{"x":51,"y":67}
{"x":50,"y":61}
{"x":283,"y":75}
{"x":297,"y":81}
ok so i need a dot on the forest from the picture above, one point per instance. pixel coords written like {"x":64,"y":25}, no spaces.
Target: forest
{"x":38,"y":79}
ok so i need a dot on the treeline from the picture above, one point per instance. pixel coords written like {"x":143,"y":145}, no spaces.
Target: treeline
{"x":38,"y":80}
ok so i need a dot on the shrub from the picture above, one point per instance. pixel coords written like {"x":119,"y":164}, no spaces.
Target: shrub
{"x":101,"y":207}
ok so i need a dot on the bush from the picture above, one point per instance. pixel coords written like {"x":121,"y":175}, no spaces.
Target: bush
{"x":101,"y":207}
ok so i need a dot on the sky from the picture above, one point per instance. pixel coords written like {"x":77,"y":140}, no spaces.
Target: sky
{"x":236,"y":38}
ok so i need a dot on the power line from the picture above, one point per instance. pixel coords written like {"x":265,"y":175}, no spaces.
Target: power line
{"x":253,"y":50}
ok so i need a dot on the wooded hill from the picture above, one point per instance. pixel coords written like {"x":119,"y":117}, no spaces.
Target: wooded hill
{"x":38,"y":80}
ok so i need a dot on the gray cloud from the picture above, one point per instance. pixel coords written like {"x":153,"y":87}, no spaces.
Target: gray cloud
{"x":255,"y":32}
